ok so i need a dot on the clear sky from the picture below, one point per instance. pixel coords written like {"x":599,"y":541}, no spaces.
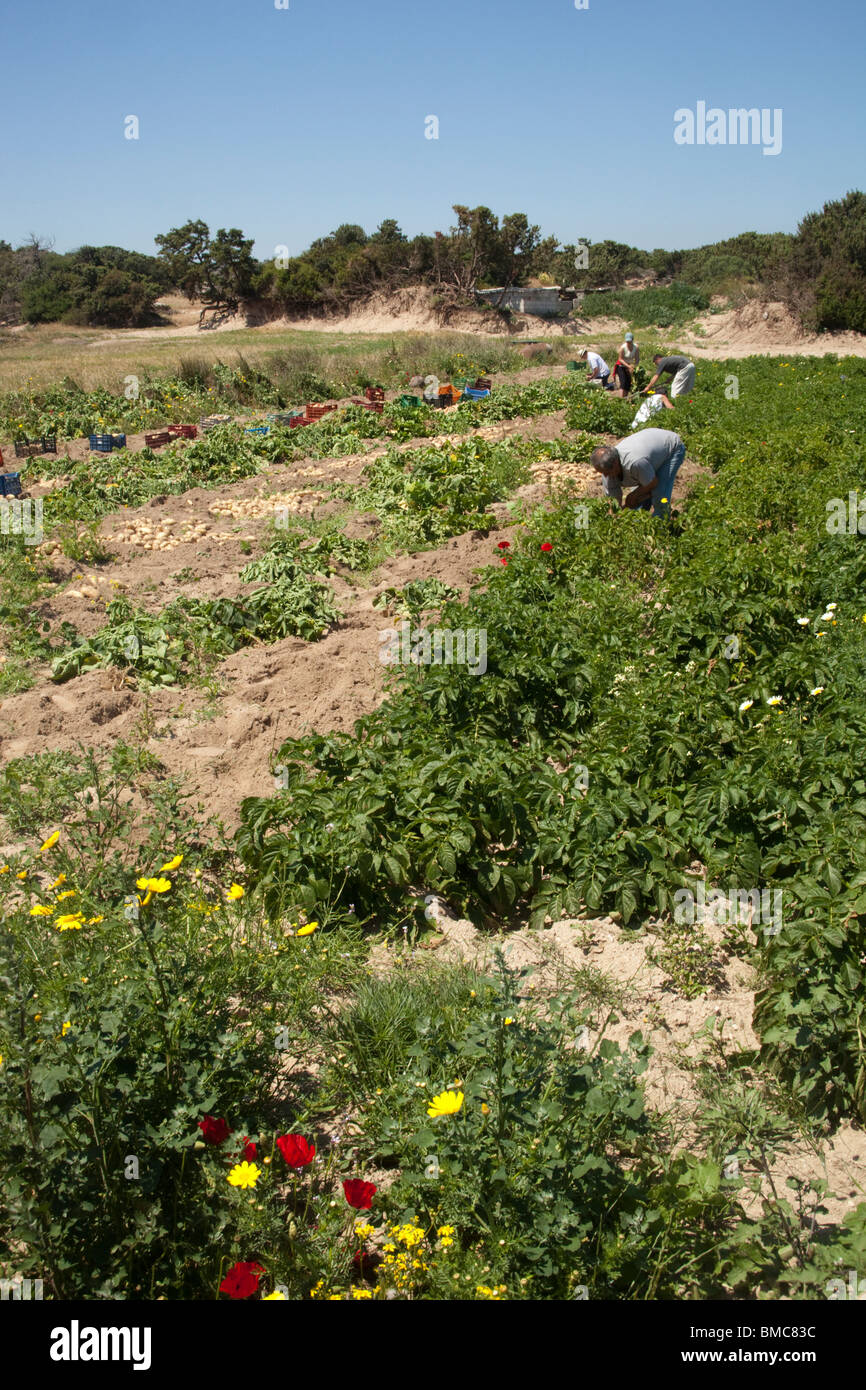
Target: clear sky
{"x":288,"y":122}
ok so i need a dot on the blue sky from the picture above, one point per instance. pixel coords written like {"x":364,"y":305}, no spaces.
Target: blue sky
{"x":288,"y":122}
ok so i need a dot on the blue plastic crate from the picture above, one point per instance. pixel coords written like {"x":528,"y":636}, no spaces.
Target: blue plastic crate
{"x":10,"y":484}
{"x":471,"y":394}
{"x":104,"y":443}
{"x":257,"y":429}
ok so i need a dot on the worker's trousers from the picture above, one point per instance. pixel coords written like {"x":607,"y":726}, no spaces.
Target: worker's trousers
{"x":661,"y":496}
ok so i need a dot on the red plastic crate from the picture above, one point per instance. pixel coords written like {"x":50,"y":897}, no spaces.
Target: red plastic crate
{"x":157,"y":439}
{"x":298,"y":420}
{"x":183,"y":431}
{"x":316,"y":412}
{"x":374,"y":393}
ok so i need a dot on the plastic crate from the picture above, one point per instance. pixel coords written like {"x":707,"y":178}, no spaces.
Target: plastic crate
{"x":298,"y":420}
{"x":210,"y":422}
{"x":101,"y":443}
{"x":374,"y":393}
{"x":315,"y":411}
{"x":284,"y":417}
{"x":183,"y":431}
{"x":471,"y":394}
{"x":451,"y":393}
{"x":482,"y":383}
{"x":156,"y":439}
{"x":409,"y":402}
{"x":10,"y":484}
{"x":258,"y":429}
{"x":25,"y":448}
{"x":572,"y":366}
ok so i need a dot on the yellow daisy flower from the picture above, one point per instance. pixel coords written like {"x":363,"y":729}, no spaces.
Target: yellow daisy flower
{"x":244,"y":1175}
{"x":70,"y":921}
{"x":446,"y":1103}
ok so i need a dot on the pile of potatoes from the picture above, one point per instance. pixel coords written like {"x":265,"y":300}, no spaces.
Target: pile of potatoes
{"x":158,"y":535}
{"x":155,"y":535}
{"x":95,"y":586}
{"x":295,"y":500}
{"x":555,"y":470}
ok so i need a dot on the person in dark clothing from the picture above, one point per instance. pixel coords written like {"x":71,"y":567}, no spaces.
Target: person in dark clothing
{"x":680,"y":368}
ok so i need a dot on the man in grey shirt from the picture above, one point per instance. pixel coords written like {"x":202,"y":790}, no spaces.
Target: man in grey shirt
{"x":680,"y":368}
{"x":647,"y":462}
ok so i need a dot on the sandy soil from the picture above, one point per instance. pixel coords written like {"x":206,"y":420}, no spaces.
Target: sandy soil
{"x":763,"y":329}
{"x":674,"y":1026}
{"x":756,"y":328}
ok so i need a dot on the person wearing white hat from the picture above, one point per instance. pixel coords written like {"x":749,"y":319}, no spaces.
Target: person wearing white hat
{"x":598,"y":369}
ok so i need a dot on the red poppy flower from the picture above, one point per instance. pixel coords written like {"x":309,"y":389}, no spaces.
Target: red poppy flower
{"x":296,"y":1150}
{"x":503,"y":545}
{"x":359,"y":1194}
{"x":250,"y":1154}
{"x":545,"y":545}
{"x":242,"y":1279}
{"x":503,"y":560}
{"x":214,"y":1131}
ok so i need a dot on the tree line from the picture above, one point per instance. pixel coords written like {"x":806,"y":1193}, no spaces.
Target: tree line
{"x":820,"y":271}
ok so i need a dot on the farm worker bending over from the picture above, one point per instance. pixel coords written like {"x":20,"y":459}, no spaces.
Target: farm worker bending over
{"x":598,"y":368}
{"x":655,"y":401}
{"x":627,"y":360}
{"x":647,"y":462}
{"x":680,"y":368}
